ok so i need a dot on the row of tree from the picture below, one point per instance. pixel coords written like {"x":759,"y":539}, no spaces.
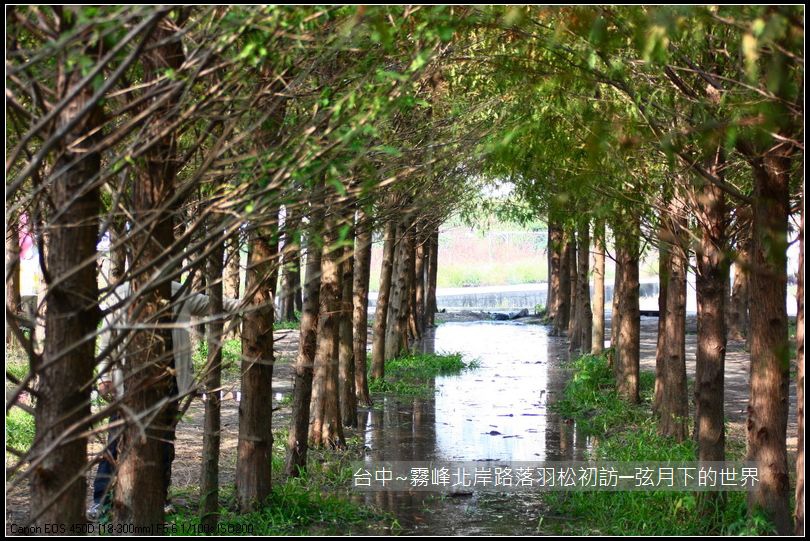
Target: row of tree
{"x":300,"y":133}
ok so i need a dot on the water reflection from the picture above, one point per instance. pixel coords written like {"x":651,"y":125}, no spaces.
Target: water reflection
{"x":498,"y":411}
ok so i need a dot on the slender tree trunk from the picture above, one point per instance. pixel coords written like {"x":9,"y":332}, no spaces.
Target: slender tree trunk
{"x":232,"y":279}
{"x":253,"y":472}
{"x":738,"y":313}
{"x":58,"y":485}
{"x":326,"y":428}
{"x":414,"y":331}
{"x":348,"y":399}
{"x":615,"y":314}
{"x":305,"y":363}
{"x":573,"y":330}
{"x":142,"y":483}
{"x":118,"y":255}
{"x":674,"y":405}
{"x":381,"y":311}
{"x":598,"y":337}
{"x":292,"y":260}
{"x":13,"y":298}
{"x":362,"y":274}
{"x":555,"y":255}
{"x":664,"y":263}
{"x":770,"y":372}
{"x":630,"y":322}
{"x":432,"y":274}
{"x":209,"y":477}
{"x":419,"y":285}
{"x":799,"y":510}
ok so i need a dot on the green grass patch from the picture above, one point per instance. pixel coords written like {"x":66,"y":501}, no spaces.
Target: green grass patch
{"x":16,"y":362}
{"x":410,"y":375}
{"x":627,"y":432}
{"x":20,"y":430}
{"x":231,"y":356}
{"x":318,"y":502}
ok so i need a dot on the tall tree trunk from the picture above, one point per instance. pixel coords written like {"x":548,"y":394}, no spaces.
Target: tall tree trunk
{"x":711,"y":280}
{"x":326,"y":428}
{"x":348,"y":399}
{"x":564,"y":292}
{"x":362,"y":275}
{"x":738,"y":313}
{"x":598,"y":337}
{"x":253,"y":472}
{"x":674,"y":405}
{"x":58,"y":485}
{"x":292,"y":260}
{"x":142,"y":482}
{"x":800,"y":378}
{"x":770,"y":373}
{"x":664,"y":263}
{"x":209,"y":476}
{"x":381,"y":311}
{"x":305,"y":363}
{"x":584,"y":315}
{"x":419,"y":285}
{"x":232,"y":279}
{"x":627,"y":352}
{"x":573,"y":330}
{"x":397,"y":328}
{"x":432,"y":275}
{"x":555,"y":255}
{"x":414,"y":330}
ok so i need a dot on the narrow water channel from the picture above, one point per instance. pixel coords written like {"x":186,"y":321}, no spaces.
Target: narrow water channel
{"x":498,"y":411}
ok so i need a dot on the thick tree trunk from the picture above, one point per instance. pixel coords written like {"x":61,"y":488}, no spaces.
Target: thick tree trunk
{"x":326,"y":428}
{"x":770,"y":367}
{"x":348,"y":399}
{"x":58,"y":485}
{"x":304,"y":367}
{"x":584,"y":315}
{"x":674,"y":405}
{"x":598,"y":320}
{"x":362,"y":275}
{"x":253,"y":472}
{"x":142,"y":482}
{"x":564,"y":292}
{"x":627,"y":352}
{"x":711,"y":279}
{"x":396,"y":339}
{"x":432,"y":275}
{"x":209,"y":476}
{"x":799,"y":510}
{"x":381,"y":311}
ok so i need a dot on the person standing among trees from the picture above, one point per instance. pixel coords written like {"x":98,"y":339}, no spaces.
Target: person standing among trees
{"x":111,"y":385}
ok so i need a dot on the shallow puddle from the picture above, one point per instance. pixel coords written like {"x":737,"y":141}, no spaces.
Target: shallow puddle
{"x":498,"y":411}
